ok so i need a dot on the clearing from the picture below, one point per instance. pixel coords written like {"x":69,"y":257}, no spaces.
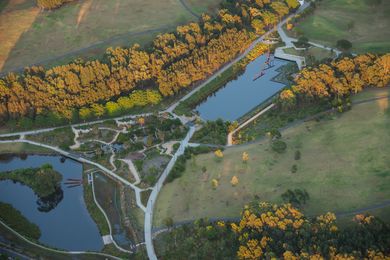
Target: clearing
{"x":344,"y":165}
{"x":84,"y":28}
{"x":362,"y":22}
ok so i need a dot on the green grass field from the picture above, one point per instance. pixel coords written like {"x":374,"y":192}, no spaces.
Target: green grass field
{"x":203,"y":6}
{"x":28,"y":35}
{"x":344,"y":165}
{"x":23,"y":148}
{"x":365,"y":25}
{"x":317,"y":53}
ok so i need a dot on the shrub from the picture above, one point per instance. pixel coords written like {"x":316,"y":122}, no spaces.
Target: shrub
{"x":296,"y":197}
{"x":279,"y":146}
{"x":294,"y":168}
{"x":297,"y":155}
{"x":344,"y":45}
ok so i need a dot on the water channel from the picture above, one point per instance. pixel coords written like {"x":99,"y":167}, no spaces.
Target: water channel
{"x":243,"y":94}
{"x":66,"y":224}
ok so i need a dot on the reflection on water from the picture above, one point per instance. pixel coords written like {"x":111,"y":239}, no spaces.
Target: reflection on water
{"x":243,"y":94}
{"x":45,"y":204}
{"x":62,"y":217}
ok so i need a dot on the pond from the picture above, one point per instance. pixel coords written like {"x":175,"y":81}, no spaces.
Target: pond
{"x":243,"y":94}
{"x":65,"y":222}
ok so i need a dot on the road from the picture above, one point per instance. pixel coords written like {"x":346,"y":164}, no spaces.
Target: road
{"x":156,"y":189}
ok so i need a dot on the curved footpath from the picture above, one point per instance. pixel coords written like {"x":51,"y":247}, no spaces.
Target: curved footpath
{"x":56,"y":250}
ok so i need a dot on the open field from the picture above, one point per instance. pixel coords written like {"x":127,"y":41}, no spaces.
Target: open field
{"x":344,"y":165}
{"x":28,"y":35}
{"x":365,"y":25}
{"x":203,"y":6}
{"x":23,"y":148}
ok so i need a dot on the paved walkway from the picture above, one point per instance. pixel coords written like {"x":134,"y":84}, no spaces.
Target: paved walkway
{"x":288,"y":41}
{"x":153,"y":196}
{"x":133,"y":170}
{"x":230,"y":135}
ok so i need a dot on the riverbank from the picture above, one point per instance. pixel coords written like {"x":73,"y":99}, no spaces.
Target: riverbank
{"x":18,"y":222}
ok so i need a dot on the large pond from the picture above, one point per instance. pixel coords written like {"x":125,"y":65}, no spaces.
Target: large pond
{"x":243,"y":94}
{"x":64,"y":221}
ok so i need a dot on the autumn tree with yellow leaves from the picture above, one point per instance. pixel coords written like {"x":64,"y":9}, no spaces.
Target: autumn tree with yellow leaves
{"x":267,"y":231}
{"x":129,"y":77}
{"x":338,"y":79}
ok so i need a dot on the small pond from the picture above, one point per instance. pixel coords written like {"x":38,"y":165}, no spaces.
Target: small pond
{"x":241,"y":95}
{"x":64,"y":221}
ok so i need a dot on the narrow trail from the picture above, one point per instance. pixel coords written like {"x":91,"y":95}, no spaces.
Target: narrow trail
{"x":133,"y":170}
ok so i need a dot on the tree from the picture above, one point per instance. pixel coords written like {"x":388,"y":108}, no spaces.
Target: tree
{"x":112,"y":108}
{"x":168,"y":221}
{"x":245,"y":157}
{"x":85,"y":113}
{"x":344,"y":45}
{"x":234,"y":180}
{"x":98,"y":110}
{"x":278,"y":146}
{"x":218,"y":153}
{"x":214,"y":183}
{"x":141,"y":121}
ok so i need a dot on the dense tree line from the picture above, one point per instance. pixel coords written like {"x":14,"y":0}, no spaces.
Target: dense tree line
{"x":267,"y":231}
{"x":338,"y":79}
{"x":174,"y":61}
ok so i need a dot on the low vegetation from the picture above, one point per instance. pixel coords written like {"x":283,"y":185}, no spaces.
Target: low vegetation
{"x":338,"y":172}
{"x":212,"y":132}
{"x":15,"y":220}
{"x":44,"y":180}
{"x":93,"y":209}
{"x":61,"y":137}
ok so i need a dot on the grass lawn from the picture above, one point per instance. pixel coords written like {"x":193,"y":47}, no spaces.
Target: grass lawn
{"x":28,"y":35}
{"x":22,"y":148}
{"x":203,"y":6}
{"x":366,"y":26}
{"x":344,"y":165}
{"x":313,"y":54}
